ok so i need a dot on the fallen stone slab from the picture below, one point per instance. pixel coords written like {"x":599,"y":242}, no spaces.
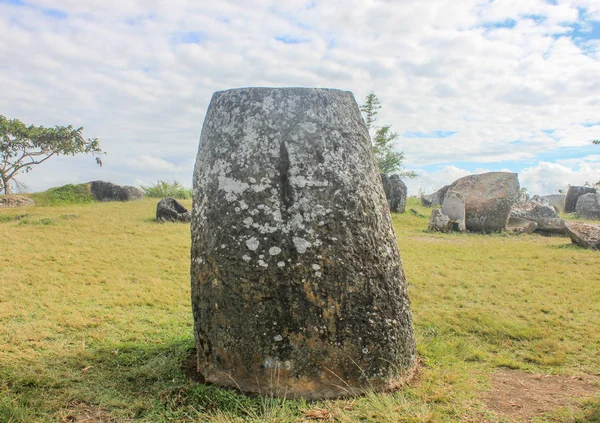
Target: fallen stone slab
{"x":520,"y":226}
{"x":15,"y":201}
{"x":585,"y":235}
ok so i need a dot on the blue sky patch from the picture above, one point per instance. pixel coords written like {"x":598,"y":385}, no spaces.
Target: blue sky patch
{"x":287,"y":39}
{"x":190,"y":37}
{"x":14,"y":2}
{"x":507,"y":23}
{"x":432,"y":134}
{"x":55,"y":13}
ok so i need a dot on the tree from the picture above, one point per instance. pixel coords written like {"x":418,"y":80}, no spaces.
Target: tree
{"x":23,"y":147}
{"x":388,"y":160}
{"x":370,"y":108}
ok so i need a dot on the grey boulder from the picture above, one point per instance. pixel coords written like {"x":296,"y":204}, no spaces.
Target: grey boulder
{"x":435,"y":199}
{"x":170,"y":210}
{"x":489,"y":198}
{"x":588,"y":206}
{"x":395,"y":192}
{"x":107,"y":191}
{"x":573,"y":194}
{"x":585,"y":235}
{"x":439,"y":222}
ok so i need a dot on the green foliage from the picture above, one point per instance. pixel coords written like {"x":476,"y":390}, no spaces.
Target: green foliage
{"x":370,"y":108}
{"x":162,"y":189}
{"x":24,"y":146}
{"x":67,"y":194}
{"x":596,"y":142}
{"x":388,"y":160}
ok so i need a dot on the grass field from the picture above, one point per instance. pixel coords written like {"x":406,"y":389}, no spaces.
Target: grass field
{"x":95,"y":322}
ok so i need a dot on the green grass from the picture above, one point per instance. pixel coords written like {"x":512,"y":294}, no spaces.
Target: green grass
{"x":67,"y":194}
{"x":95,"y":320}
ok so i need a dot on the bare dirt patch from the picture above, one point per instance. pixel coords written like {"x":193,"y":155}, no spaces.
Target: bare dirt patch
{"x":521,"y":395}
{"x":78,"y":412}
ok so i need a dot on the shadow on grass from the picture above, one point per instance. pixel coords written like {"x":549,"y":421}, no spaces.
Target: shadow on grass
{"x":125,"y":381}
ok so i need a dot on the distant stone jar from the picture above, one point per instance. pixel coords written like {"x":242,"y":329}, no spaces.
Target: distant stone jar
{"x":170,"y":210}
{"x":297,"y":284}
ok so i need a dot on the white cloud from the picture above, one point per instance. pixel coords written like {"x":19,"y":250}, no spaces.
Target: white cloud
{"x":148,"y":163}
{"x":498,"y":73}
{"x":548,"y":178}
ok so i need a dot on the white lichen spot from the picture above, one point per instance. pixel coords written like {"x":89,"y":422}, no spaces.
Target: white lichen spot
{"x":232,"y":187}
{"x":318,"y":274}
{"x":248,"y":221}
{"x":246,"y":257}
{"x":274,"y":251}
{"x":317,"y":242}
{"x":365,"y":351}
{"x":243,"y":205}
{"x":301,"y":244}
{"x":316,"y":267}
{"x":281,"y":264}
{"x":262,"y":263}
{"x":252,"y":244}
{"x":262,"y":256}
{"x":278,"y":338}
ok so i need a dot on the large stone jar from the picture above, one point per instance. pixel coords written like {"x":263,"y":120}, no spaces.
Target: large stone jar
{"x":297,"y":283}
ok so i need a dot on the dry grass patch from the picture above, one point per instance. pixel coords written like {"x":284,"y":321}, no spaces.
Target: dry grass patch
{"x":95,"y":318}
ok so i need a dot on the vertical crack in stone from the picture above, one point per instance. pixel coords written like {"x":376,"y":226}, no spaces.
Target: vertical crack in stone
{"x":285,"y":188}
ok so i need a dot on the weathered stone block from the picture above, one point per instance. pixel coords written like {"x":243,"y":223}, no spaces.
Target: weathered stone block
{"x":588,"y":206}
{"x":573,"y":194}
{"x":395,"y":192}
{"x":297,"y":283}
{"x":489,"y":198}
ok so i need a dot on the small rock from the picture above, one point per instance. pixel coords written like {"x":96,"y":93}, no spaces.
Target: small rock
{"x":170,"y":210}
{"x":520,"y":226}
{"x":439,"y":222}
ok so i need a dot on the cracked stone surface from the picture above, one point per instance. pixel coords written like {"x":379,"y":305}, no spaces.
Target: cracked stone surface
{"x":297,"y":283}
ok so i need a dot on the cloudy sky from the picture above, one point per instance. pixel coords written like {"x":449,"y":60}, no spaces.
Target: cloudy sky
{"x":470,"y":86}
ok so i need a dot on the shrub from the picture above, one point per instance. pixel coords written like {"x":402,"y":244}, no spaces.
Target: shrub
{"x":162,"y":189}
